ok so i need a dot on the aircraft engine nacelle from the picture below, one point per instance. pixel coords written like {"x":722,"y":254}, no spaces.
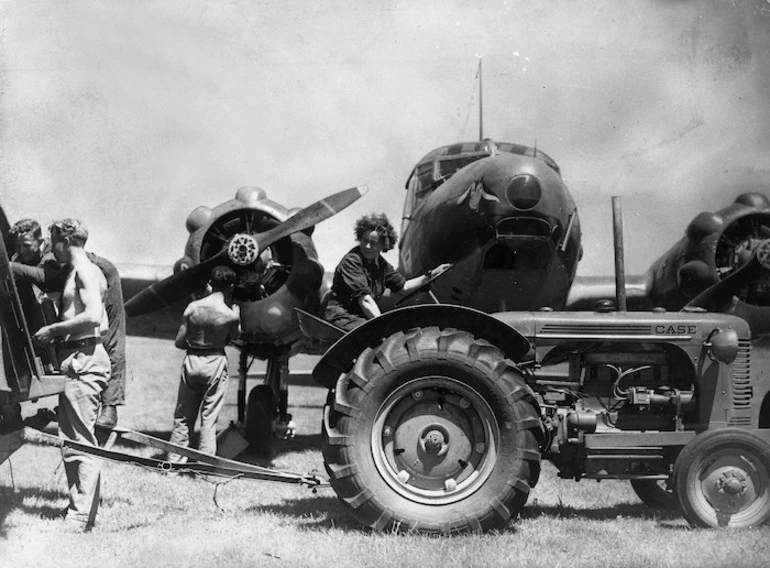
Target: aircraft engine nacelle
{"x":709,"y":259}
{"x":271,"y":282}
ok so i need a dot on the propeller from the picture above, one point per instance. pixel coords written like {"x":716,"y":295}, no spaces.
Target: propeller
{"x":718,"y":295}
{"x":186,"y":282}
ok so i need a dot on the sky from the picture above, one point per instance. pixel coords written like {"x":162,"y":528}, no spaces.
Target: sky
{"x":129,"y":115}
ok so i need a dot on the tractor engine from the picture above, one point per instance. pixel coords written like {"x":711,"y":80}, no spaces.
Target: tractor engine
{"x":613,"y":387}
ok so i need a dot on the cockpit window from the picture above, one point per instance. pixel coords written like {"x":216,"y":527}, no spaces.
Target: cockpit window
{"x":442,"y":163}
{"x":449,"y":166}
{"x":424,"y":179}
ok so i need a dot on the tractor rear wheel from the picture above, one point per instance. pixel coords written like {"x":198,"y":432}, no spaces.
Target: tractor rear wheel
{"x":433,"y":431}
{"x":655,"y":493}
{"x":722,"y":479}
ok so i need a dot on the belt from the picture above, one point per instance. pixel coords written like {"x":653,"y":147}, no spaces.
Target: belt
{"x":205,"y":350}
{"x":79,"y":343}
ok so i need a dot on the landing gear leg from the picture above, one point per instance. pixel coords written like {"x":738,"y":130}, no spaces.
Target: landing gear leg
{"x":284,"y":427}
{"x":267,"y":416}
{"x":243,"y":368}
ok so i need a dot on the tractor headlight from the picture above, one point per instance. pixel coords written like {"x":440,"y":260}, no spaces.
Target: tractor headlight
{"x":723,"y":345}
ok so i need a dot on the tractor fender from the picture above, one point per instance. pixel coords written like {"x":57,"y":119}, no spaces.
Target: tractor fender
{"x":340,"y":357}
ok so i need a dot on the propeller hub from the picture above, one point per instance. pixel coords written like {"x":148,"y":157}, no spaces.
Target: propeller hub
{"x":763,"y":254}
{"x":243,"y":249}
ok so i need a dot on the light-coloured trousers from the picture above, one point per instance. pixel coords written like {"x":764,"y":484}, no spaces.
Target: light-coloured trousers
{"x":202,"y":388}
{"x":88,"y":371}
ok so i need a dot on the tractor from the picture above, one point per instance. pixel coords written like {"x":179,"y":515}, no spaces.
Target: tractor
{"x":438,"y":417}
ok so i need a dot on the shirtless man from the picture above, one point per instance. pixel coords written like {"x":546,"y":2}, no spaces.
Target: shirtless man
{"x":208,"y":324}
{"x":84,"y":360}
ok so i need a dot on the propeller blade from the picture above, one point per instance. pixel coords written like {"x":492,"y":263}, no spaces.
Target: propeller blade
{"x":181,"y":284}
{"x":311,"y":215}
{"x":173,"y":288}
{"x":718,"y":295}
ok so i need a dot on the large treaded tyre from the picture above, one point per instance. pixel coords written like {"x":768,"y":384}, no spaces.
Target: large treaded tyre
{"x":433,"y":431}
{"x":722,"y":479}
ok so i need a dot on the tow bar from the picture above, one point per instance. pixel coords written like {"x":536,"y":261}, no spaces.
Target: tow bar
{"x":205,"y":464}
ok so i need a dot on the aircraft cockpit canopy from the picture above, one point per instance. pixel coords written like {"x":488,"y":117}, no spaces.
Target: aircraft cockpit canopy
{"x":442,"y":163}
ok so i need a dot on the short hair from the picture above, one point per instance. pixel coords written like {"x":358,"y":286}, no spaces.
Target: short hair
{"x":377,"y":222}
{"x":221,"y":278}
{"x":24,"y":226}
{"x":72,"y":229}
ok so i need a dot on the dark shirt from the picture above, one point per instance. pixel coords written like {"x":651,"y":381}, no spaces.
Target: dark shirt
{"x":356,"y":277}
{"x":48,"y":274}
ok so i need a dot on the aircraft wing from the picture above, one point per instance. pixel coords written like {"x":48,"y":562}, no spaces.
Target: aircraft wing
{"x":586,"y":291}
{"x":162,"y":323}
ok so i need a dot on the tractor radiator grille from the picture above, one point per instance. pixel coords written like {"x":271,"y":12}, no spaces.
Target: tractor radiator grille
{"x":742,"y":389}
{"x":600,"y":329}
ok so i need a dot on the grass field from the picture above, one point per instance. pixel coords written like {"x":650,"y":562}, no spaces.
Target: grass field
{"x":150,"y":519}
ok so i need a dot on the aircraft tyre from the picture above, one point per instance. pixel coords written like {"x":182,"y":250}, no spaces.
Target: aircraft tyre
{"x":655,"y":493}
{"x":722,"y":479}
{"x":260,"y":411}
{"x":433,"y":431}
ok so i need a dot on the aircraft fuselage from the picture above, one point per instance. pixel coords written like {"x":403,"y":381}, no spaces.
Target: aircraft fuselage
{"x":502,"y":215}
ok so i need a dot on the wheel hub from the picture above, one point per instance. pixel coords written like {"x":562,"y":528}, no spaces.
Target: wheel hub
{"x":732,"y":483}
{"x":435,"y":440}
{"x":243,"y":249}
{"x":729,"y":485}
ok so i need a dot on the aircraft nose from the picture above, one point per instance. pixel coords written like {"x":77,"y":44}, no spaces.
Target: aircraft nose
{"x":523,"y":192}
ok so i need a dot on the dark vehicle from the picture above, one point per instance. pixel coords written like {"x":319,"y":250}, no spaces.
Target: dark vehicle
{"x":28,"y":372}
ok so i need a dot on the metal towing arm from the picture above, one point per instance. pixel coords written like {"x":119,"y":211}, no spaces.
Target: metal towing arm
{"x":204,"y":464}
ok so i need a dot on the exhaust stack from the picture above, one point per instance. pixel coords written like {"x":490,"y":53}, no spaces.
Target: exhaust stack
{"x":620,"y":270}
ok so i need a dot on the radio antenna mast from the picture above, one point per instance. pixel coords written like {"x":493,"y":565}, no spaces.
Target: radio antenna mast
{"x":481,"y":105}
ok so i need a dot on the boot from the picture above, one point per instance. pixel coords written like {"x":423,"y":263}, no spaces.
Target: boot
{"x":108,"y":418}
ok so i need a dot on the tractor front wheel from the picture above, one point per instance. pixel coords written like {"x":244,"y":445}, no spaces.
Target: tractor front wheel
{"x":433,"y":431}
{"x":722,"y":479}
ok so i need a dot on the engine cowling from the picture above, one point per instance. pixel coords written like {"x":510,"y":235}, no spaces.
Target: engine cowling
{"x":716,"y":246}
{"x":271,"y":282}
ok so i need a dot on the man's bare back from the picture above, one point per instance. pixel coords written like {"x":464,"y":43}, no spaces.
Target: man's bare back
{"x":208,"y":324}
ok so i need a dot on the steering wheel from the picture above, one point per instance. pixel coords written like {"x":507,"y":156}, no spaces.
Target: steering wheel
{"x":435,"y":274}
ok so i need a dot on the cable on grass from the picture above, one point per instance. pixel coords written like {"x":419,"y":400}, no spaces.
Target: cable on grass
{"x":217,"y":485}
{"x":202,"y":477}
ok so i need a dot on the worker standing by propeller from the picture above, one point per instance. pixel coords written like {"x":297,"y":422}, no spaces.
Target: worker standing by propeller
{"x":208,"y":325}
